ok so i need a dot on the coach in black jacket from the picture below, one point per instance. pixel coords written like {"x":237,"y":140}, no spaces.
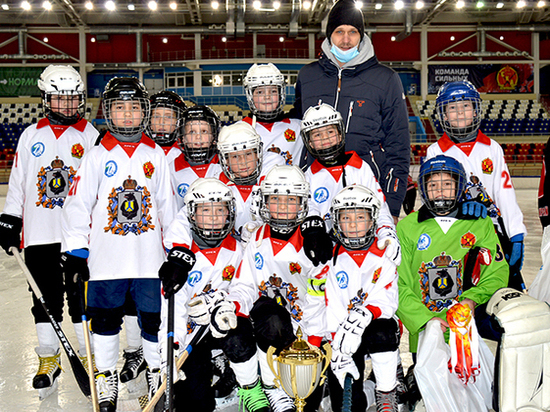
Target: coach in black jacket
{"x":369,"y":96}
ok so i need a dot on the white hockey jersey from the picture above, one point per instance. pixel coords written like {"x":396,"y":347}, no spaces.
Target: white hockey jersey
{"x":213,"y":270}
{"x":120,"y":202}
{"x":326,"y":182}
{"x":45,"y":165}
{"x":282,"y":137}
{"x":274,"y":268}
{"x":171,"y":152}
{"x":484,"y":159}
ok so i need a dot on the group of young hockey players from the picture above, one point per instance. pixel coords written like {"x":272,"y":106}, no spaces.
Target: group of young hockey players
{"x":248,"y":241}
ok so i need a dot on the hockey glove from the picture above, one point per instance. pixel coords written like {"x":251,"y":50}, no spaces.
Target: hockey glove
{"x":388,"y":241}
{"x":223,"y":318}
{"x":10,"y":232}
{"x":248,"y":230}
{"x":74,"y":265}
{"x":317,"y":242}
{"x":173,"y":273}
{"x":518,"y":248}
{"x":472,"y":210}
{"x":341,"y":365}
{"x":350,"y":332}
{"x":200,"y":308}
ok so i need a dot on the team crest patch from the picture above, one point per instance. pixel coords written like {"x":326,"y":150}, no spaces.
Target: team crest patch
{"x":53,"y":184}
{"x":424,"y":242}
{"x":468,"y":240}
{"x":148,"y":169}
{"x":194,"y":278}
{"x":77,"y":151}
{"x":258,"y":261}
{"x":290,"y":135}
{"x":128,"y":209}
{"x":38,"y":149}
{"x":487,"y":166}
{"x":284,"y":293}
{"x":228,"y":273}
{"x":376,"y":275}
{"x":294,"y":268}
{"x":321,"y":195}
{"x":343,"y":279}
{"x":440,"y":282}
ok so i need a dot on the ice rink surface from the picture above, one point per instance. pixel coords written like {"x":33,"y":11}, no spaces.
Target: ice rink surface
{"x":18,"y":361}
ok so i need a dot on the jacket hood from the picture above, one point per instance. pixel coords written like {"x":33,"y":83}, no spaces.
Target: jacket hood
{"x":366,"y":51}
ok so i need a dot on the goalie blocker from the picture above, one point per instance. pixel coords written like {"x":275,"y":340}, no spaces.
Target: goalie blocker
{"x":522,"y":372}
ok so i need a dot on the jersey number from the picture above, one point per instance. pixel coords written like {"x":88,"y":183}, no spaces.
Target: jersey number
{"x":507,"y":181}
{"x":72,"y":190}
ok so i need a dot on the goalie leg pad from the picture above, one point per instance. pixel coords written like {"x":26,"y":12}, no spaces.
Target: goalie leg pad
{"x":239,"y":345}
{"x":272,"y":324}
{"x":524,"y":361}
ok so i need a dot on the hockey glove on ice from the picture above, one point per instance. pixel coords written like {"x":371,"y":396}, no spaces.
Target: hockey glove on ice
{"x":200,"y":308}
{"x":516,"y":257}
{"x":317,"y":242}
{"x":472,"y":210}
{"x":74,"y":265}
{"x":350,"y":332}
{"x":223,"y":318}
{"x":173,"y":273}
{"x":10,"y":232}
{"x":341,"y":365}
{"x":388,"y":241}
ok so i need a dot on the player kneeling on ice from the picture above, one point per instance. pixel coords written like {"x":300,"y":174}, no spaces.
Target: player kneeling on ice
{"x":451,"y":262}
{"x":358,"y":299}
{"x":199,"y":274}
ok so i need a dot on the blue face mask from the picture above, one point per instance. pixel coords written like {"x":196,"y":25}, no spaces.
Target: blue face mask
{"x":344,"y":56}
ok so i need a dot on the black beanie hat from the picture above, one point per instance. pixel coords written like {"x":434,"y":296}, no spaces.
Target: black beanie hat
{"x":345,"y":12}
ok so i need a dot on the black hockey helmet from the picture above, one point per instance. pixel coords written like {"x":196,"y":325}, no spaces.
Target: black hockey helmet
{"x":163,"y":126}
{"x":195,"y":153}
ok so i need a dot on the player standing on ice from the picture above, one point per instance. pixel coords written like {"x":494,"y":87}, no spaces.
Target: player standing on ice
{"x":47,"y":158}
{"x":117,"y":208}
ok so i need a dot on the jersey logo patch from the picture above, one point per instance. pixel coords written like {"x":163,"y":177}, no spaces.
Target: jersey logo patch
{"x":38,"y":149}
{"x":53,"y":184}
{"x":110,"y":168}
{"x":194,"y":278}
{"x":148,"y":169}
{"x":487,"y":166}
{"x":376,"y":275}
{"x":228,"y":273}
{"x":290,"y":135}
{"x":128,"y":209}
{"x":258,"y":261}
{"x":343,"y":279}
{"x":182,"y":189}
{"x":77,"y":151}
{"x":468,"y":240}
{"x":294,"y":268}
{"x":285,"y":294}
{"x":424,"y":242}
{"x":321,"y":195}
{"x":441,"y":282}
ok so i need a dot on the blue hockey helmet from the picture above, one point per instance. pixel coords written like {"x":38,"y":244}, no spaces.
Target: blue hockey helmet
{"x":458,"y":106}
{"x":441,"y":195}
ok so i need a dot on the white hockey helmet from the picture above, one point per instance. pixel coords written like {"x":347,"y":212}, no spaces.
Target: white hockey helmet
{"x":62,"y":81}
{"x":321,"y":116}
{"x":207,"y":191}
{"x":238,"y":137}
{"x":264,"y":75}
{"x":350,"y":200}
{"x":283,"y":180}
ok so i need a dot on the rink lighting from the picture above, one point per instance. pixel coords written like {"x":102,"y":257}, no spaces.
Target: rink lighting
{"x":26,"y":5}
{"x":164,"y":40}
{"x":399,"y":5}
{"x":152,"y":5}
{"x":459,"y":4}
{"x":281,"y":39}
{"x":419,"y":5}
{"x":541,"y":4}
{"x":173,"y":5}
{"x":131,"y":7}
{"x":359,"y":5}
{"x":5,"y":7}
{"x":257,"y":5}
{"x":452,"y":38}
{"x":306,"y":5}
{"x":47,"y":5}
{"x":92,"y":39}
{"x":480,"y":4}
{"x":110,"y":5}
{"x":89,"y":5}
{"x":276,"y":5}
{"x":224,"y":39}
{"x":215,"y":5}
{"x":378,"y":6}
{"x":392,"y":38}
{"x":520,"y":4}
{"x":45,"y":40}
{"x":500,"y":5}
{"x":501,"y":38}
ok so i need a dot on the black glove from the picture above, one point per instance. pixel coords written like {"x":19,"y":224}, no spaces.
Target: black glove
{"x":173,"y":273}
{"x":74,"y":266}
{"x":317,"y":242}
{"x":10,"y":232}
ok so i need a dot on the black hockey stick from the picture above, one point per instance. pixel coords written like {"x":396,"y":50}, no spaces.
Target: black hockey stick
{"x":169,"y":401}
{"x":346,"y":396}
{"x":78,"y":369}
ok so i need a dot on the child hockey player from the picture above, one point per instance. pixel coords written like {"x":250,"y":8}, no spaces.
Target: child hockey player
{"x":265,"y":91}
{"x":266,"y":299}
{"x":118,"y":206}
{"x":213,"y":257}
{"x":447,"y":257}
{"x":197,"y":137}
{"x":458,"y":106}
{"x":358,"y":302}
{"x":166,"y":112}
{"x":48,"y":155}
{"x":244,"y":166}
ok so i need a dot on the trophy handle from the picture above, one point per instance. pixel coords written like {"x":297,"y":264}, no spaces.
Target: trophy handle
{"x":270,"y":353}
{"x":328,"y":357}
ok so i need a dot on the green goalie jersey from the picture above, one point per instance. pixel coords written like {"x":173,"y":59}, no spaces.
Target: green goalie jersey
{"x":431,"y":274}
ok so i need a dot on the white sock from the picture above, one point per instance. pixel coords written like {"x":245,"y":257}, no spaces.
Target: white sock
{"x":47,"y":338}
{"x":384,"y":365}
{"x":79,"y":331}
{"x":246,"y":372}
{"x":151,"y":354}
{"x":133,"y":331}
{"x":106,"y":351}
{"x":268,"y":377}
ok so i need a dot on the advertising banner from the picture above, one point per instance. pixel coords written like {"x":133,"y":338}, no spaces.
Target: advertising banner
{"x":19,"y":81}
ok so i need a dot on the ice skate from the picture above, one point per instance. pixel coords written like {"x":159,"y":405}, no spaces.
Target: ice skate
{"x":48,"y":369}
{"x":107,"y":390}
{"x":279,"y":400}
{"x":227,"y":382}
{"x":402,"y":390}
{"x":84,"y":359}
{"x":45,"y":392}
{"x":414,"y":395}
{"x":253,"y":399}
{"x":154,"y":380}
{"x":134,"y":364}
{"x":386,"y":401}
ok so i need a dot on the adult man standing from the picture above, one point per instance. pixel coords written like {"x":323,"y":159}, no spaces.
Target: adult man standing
{"x":368,"y":95}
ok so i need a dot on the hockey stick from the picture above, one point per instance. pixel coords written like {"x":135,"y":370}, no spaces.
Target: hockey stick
{"x":346,"y":396}
{"x":91,"y":375}
{"x":179,"y":363}
{"x":169,"y":401}
{"x":78,"y":370}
